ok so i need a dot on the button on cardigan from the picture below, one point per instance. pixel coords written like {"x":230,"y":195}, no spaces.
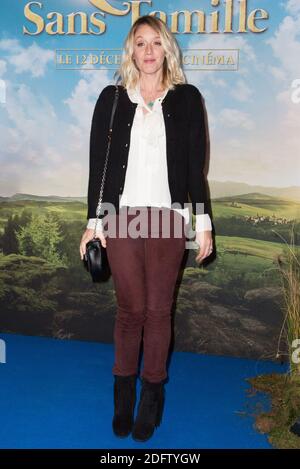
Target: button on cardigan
{"x":146,"y":181}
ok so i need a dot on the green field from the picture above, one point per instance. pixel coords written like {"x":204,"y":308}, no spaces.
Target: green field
{"x":289,"y":210}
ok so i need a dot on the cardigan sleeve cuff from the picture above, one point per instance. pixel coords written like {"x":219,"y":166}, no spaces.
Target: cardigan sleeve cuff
{"x":203,"y":222}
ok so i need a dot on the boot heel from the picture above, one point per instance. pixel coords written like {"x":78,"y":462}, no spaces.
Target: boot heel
{"x":150,"y":410}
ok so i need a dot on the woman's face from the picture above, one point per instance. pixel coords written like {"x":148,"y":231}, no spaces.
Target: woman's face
{"x":148,"y":51}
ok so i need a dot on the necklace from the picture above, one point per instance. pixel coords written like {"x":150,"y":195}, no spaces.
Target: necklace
{"x":151,"y":103}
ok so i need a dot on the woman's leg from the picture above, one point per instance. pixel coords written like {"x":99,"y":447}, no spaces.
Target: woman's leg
{"x":126,"y":260}
{"x":163,"y":257}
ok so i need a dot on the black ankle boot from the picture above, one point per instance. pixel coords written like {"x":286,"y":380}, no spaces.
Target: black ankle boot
{"x":124,"y":402}
{"x":149,"y":410}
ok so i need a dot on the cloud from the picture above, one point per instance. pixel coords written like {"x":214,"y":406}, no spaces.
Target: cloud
{"x":278,"y":73}
{"x":11,"y":45}
{"x":241,"y":91}
{"x":84,"y":96}
{"x":32,"y":124}
{"x":49,"y":154}
{"x":30,"y":111}
{"x":292,"y":6}
{"x":234,"y":118}
{"x":286,"y":47}
{"x":281,"y":139}
{"x":260,"y":145}
{"x":33,"y":142}
{"x":32,"y":59}
{"x":216,"y":81}
{"x":235,"y":82}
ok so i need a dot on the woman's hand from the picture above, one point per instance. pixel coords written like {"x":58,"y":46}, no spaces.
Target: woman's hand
{"x":86,"y":237}
{"x":204,"y":239}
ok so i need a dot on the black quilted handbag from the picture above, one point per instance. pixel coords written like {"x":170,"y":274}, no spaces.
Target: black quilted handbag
{"x":95,"y":259}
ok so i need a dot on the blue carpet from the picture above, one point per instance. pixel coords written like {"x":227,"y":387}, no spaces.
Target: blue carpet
{"x":58,"y":394}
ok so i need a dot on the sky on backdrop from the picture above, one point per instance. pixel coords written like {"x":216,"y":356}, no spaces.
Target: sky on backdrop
{"x":45,"y":121}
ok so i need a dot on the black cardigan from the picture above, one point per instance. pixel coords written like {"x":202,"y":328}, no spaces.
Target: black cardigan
{"x":186,"y":145}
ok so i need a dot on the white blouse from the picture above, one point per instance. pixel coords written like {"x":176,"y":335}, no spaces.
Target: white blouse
{"x":146,"y":180}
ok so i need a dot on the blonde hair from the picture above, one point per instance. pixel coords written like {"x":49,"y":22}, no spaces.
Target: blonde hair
{"x":128,"y":73}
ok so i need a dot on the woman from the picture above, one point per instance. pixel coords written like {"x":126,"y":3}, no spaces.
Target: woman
{"x":156,"y":159}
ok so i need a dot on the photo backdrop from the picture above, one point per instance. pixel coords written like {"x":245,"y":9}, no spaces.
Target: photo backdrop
{"x":244,"y":58}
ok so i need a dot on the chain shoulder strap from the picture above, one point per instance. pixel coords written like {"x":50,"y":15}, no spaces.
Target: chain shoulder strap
{"x":106,"y":158}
